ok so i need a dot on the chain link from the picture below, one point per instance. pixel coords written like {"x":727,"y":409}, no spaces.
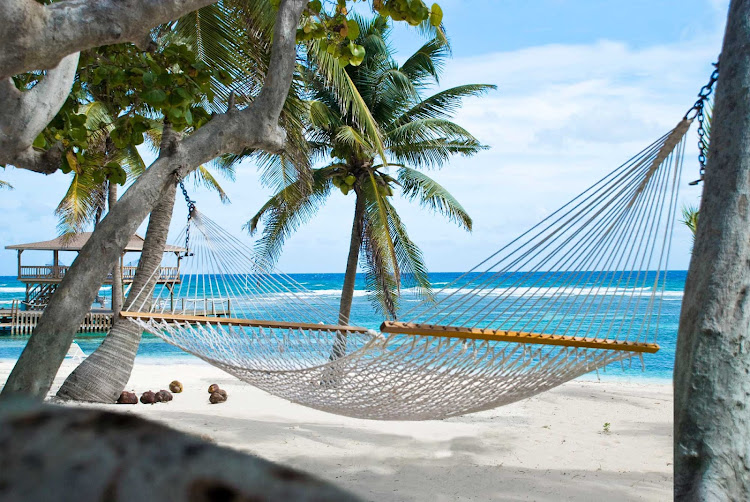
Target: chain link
{"x":191,"y":208}
{"x":698,"y":112}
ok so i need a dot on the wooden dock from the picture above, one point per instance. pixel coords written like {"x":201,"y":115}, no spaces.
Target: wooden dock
{"x":15,"y":321}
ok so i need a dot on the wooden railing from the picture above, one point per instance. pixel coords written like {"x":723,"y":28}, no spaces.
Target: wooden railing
{"x":166,"y":274}
{"x":42,"y":272}
{"x":51,"y":272}
{"x":24,"y":322}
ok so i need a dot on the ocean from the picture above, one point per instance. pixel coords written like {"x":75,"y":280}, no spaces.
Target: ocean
{"x":327,"y":287}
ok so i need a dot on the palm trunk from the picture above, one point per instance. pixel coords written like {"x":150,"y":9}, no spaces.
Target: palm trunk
{"x":117,"y":269}
{"x":102,"y":376}
{"x":347,"y":291}
{"x":711,"y":384}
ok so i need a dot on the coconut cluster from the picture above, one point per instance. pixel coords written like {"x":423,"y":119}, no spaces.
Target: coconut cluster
{"x":150,"y":397}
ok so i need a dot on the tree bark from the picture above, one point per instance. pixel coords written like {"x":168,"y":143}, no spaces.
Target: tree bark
{"x":81,"y":455}
{"x":117,"y":269}
{"x":254,"y":127}
{"x":24,"y":115}
{"x":711,"y":383}
{"x":36,"y":37}
{"x":347,"y":290}
{"x":103,"y":375}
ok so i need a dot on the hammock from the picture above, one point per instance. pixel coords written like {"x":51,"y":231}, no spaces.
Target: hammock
{"x":577,"y":292}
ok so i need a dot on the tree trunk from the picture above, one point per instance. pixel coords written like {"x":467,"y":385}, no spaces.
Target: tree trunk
{"x":347,"y":291}
{"x":102,"y":376}
{"x":117,"y":269}
{"x":41,"y":358}
{"x":711,"y":382}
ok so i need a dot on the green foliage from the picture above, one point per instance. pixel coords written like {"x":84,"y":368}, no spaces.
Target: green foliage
{"x":121,"y":96}
{"x":337,"y":33}
{"x":132,"y":88}
{"x":690,"y":218}
{"x":357,"y":114}
{"x":171,"y":82}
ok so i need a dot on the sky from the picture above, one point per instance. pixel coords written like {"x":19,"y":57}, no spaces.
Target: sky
{"x":582,"y":86}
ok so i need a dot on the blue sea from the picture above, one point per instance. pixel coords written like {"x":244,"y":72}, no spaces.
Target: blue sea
{"x":327,"y":287}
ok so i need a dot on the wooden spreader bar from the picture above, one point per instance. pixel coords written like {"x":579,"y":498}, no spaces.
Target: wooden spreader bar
{"x":233,"y":321}
{"x":405,"y":328}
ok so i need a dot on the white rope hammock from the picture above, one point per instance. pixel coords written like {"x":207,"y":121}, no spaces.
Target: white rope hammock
{"x":577,"y":292}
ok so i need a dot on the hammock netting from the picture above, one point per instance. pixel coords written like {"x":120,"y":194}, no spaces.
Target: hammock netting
{"x":579,"y":291}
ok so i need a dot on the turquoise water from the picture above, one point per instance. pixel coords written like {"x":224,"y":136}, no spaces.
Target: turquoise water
{"x":327,"y":287}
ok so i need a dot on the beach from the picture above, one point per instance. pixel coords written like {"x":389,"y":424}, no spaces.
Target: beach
{"x":553,"y":446}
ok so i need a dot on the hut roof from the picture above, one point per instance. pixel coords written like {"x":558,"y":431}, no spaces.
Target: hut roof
{"x":76,"y":242}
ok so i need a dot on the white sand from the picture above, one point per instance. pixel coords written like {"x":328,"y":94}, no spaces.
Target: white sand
{"x":550,"y":447}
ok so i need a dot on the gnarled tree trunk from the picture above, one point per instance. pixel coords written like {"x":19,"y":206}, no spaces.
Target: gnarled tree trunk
{"x":102,"y":376}
{"x":253,"y":127}
{"x":712,"y":367}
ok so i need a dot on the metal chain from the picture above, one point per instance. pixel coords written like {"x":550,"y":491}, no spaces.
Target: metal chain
{"x":698,"y":113}
{"x":191,"y":208}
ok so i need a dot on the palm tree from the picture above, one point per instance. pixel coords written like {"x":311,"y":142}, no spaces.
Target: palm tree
{"x":379,"y":130}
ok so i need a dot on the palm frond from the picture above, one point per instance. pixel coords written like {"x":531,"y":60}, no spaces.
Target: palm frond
{"x":215,"y":33}
{"x":376,"y":258}
{"x":379,"y":217}
{"x":321,"y":116}
{"x":427,"y":30}
{"x":410,"y":258}
{"x":381,"y":286}
{"x":203,"y":177}
{"x":6,"y":185}
{"x":434,"y":152}
{"x":286,"y":211}
{"x":350,"y":137}
{"x":80,"y":203}
{"x":430,"y":142}
{"x":426,"y":65}
{"x":392,"y":93}
{"x":430,"y":194}
{"x":130,"y":159}
{"x":348,"y":95}
{"x":443,"y":104}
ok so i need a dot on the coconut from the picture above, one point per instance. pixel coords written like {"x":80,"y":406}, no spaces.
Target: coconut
{"x":217,"y":397}
{"x":148,"y":397}
{"x":127,"y":398}
{"x":164,"y":396}
{"x":175,"y":387}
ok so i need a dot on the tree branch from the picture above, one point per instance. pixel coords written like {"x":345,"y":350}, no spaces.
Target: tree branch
{"x":24,"y":115}
{"x":35,"y":36}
